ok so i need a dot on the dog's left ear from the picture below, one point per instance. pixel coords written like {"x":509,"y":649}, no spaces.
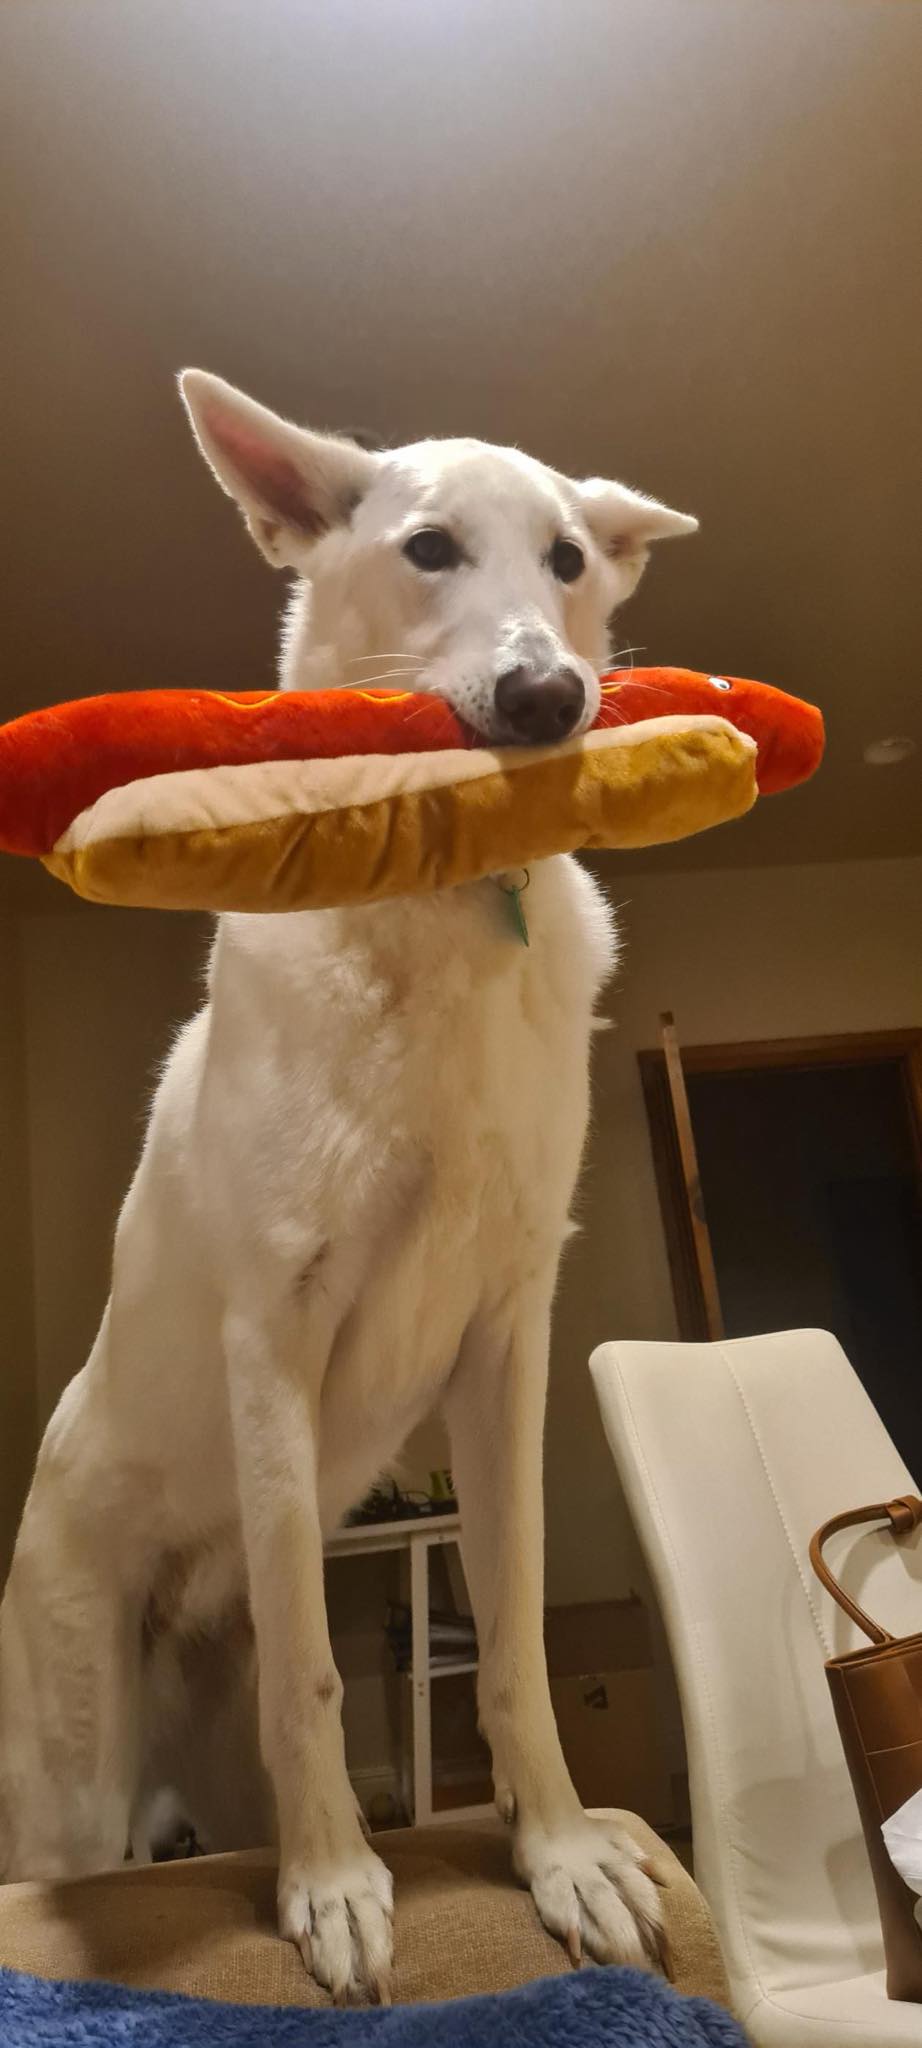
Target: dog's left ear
{"x":292,"y":486}
{"x":625,"y":524}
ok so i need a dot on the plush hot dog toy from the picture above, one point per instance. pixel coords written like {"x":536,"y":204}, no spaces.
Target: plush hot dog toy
{"x":194,"y":799}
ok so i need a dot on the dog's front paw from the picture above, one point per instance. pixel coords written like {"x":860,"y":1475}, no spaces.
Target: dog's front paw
{"x":591,"y":1887}
{"x":340,"y":1917}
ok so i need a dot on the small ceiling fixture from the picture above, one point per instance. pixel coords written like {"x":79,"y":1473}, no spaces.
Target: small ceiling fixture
{"x":883,"y":753}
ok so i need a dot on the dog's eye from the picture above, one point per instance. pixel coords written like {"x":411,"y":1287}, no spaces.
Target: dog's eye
{"x":567,"y":561}
{"x":432,"y":548}
{"x":719,"y":683}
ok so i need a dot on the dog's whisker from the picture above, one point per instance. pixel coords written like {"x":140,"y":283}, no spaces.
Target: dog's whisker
{"x":385,"y":654}
{"x":387,"y":675}
{"x":374,"y":682}
{"x":620,"y":652}
{"x":652,"y":689}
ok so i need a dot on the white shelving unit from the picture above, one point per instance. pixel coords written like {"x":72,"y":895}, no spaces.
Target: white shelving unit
{"x":415,"y":1539}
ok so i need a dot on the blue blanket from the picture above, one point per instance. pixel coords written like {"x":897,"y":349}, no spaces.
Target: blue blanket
{"x":591,"y":2009}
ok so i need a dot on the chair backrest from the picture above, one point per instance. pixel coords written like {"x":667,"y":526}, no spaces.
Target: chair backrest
{"x":730,"y":1456}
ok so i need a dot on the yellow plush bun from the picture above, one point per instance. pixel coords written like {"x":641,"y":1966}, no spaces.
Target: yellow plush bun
{"x":307,"y":834}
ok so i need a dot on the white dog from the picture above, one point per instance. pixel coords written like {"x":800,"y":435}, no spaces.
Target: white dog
{"x":349,"y":1208}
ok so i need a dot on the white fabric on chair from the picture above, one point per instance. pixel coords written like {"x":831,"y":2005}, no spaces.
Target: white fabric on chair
{"x":730,"y":1456}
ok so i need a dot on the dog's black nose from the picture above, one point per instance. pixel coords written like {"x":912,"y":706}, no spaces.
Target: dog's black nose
{"x":537,"y":709}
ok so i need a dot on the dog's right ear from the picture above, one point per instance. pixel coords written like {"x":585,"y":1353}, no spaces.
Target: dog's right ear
{"x":292,"y":486}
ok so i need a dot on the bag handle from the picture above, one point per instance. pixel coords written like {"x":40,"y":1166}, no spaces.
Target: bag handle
{"x":903,"y":1515}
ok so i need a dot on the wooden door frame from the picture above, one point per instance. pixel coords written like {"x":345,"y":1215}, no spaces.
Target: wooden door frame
{"x":853,"y":1048}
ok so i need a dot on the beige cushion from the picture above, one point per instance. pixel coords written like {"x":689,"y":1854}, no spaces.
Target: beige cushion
{"x":207,"y":1927}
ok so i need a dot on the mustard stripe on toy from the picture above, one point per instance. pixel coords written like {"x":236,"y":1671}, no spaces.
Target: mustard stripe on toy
{"x":196,"y":799}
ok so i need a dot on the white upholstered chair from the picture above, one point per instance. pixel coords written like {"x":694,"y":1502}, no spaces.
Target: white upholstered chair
{"x":730,"y":1456}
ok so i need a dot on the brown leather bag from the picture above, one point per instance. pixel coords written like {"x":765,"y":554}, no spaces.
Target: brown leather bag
{"x":877,"y":1697}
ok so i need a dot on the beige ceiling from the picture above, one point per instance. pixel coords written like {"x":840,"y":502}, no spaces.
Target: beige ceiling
{"x":674,"y":240}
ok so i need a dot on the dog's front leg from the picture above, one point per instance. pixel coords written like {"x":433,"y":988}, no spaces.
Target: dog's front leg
{"x":585,"y":1876}
{"x":70,"y":1638}
{"x":335,"y":1895}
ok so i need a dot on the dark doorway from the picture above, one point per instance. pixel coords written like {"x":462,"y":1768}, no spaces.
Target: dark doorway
{"x":810,"y":1178}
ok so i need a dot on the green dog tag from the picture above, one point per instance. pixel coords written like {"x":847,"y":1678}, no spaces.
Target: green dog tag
{"x":513,"y":892}
{"x":518,"y":914}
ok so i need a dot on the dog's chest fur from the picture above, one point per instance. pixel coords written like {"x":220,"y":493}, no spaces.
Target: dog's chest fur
{"x":419,"y":1041}
{"x":377,"y":1120}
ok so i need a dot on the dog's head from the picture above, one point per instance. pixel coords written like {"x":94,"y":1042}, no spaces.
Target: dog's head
{"x":449,"y":566}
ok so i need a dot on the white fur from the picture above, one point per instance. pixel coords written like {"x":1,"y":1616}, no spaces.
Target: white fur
{"x":349,"y":1207}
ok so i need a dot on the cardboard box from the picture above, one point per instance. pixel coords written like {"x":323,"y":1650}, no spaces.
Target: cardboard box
{"x":601,"y":1674}
{"x":610,"y":1635}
